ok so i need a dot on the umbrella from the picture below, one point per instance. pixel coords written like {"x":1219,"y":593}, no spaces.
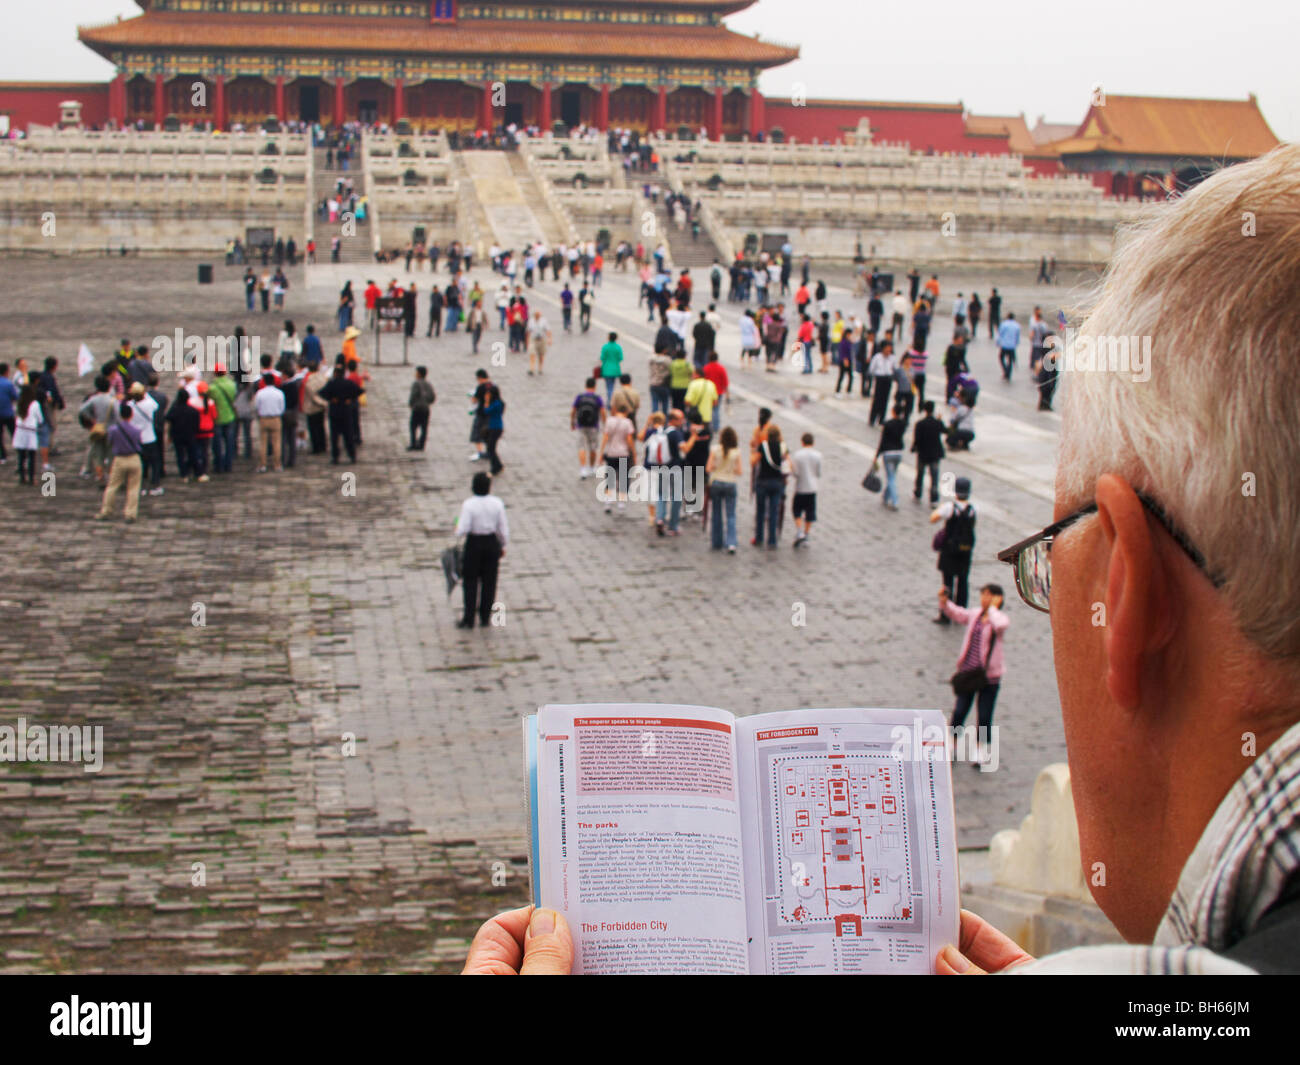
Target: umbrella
{"x":453,"y":559}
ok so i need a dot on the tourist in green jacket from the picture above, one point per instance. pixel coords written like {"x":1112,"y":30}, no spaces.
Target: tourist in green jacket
{"x":611,"y":366}
{"x":680,"y":379}
{"x":224,"y":441}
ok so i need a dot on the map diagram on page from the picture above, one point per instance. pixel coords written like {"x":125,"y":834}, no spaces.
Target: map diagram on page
{"x":839,"y":824}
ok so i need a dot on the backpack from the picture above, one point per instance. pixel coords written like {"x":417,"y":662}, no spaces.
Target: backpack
{"x":657,"y":451}
{"x":207,"y":418}
{"x":959,"y":533}
{"x":588,"y":407}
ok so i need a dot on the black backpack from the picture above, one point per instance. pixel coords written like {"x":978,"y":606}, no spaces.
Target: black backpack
{"x":290,"y":389}
{"x":588,"y":411}
{"x":959,"y":533}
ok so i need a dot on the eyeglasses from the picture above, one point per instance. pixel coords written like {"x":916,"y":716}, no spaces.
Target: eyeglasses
{"x":1032,"y":558}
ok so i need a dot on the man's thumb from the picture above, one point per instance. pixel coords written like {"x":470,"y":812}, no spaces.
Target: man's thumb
{"x":548,"y":947}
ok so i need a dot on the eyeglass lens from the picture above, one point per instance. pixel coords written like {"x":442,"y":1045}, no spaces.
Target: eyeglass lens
{"x":1034,"y":574}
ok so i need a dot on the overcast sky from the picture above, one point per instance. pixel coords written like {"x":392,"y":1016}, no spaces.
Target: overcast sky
{"x":996,"y":57}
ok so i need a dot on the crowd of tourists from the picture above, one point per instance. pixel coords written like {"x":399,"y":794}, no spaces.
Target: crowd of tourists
{"x":673,"y":451}
{"x":296,"y":403}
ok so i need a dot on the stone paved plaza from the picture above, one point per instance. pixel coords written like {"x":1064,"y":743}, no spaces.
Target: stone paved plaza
{"x":326,"y":614}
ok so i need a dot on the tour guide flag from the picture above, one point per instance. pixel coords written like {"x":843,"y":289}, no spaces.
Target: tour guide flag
{"x":85,"y":361}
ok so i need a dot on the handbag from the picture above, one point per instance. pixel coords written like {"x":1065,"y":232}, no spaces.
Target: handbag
{"x":969,"y":681}
{"x":872,"y":482}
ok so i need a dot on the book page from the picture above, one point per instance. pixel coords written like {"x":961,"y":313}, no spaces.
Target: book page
{"x":850,"y":840}
{"x":638,"y":836}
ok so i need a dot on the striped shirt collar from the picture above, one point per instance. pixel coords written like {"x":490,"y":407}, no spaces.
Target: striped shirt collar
{"x":1245,"y":856}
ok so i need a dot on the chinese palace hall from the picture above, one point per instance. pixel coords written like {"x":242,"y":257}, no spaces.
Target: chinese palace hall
{"x":670,"y":65}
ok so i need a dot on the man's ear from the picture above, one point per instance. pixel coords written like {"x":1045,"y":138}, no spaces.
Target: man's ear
{"x":1137,"y":590}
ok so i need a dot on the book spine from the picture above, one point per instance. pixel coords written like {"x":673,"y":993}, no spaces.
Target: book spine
{"x":531,"y":807}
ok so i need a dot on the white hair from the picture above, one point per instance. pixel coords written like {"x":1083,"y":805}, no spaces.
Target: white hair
{"x":1213,"y":280}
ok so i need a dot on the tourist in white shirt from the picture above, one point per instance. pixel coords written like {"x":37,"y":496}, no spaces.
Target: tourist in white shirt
{"x":881,"y":368}
{"x":150,"y":446}
{"x":678,"y":321}
{"x":715,"y":320}
{"x":268,"y":402}
{"x":503,"y":303}
{"x":483,"y":523}
{"x":26,"y":432}
{"x":902,"y":310}
{"x":539,"y":340}
{"x":288,"y":345}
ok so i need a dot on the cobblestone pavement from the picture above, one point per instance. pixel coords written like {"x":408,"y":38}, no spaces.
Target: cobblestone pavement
{"x":229,"y":832}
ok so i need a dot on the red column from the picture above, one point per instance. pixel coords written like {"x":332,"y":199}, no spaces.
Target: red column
{"x":219,"y":105}
{"x":757,"y":114}
{"x":159,"y":101}
{"x":117,"y":100}
{"x":602,"y":112}
{"x":337,"y":117}
{"x":661,"y":108}
{"x":399,"y":100}
{"x":546,"y":107}
{"x":279,"y":97}
{"x":485,"y":114}
{"x":716,"y":131}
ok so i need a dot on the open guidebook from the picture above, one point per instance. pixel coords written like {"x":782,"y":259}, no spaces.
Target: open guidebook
{"x":684,"y":839}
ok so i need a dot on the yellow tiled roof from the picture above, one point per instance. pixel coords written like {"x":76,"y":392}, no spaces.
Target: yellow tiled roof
{"x":1160,"y":125}
{"x":313,"y":33}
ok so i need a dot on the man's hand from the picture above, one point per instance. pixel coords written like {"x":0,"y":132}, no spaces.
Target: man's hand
{"x":983,"y":950}
{"x":523,"y":942}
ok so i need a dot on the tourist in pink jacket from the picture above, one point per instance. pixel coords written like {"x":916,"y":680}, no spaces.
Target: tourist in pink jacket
{"x":980,"y":649}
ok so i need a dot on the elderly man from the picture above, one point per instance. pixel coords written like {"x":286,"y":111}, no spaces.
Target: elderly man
{"x":539,"y":341}
{"x":1182,"y":710}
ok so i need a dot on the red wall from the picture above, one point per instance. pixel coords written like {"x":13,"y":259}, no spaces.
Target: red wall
{"x":924,"y":129}
{"x":1045,"y":166}
{"x":26,"y":103}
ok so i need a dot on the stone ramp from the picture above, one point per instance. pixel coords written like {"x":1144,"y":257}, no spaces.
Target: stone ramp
{"x":554,"y":229}
{"x":514,"y":225}
{"x":510,"y":219}
{"x":493,"y":179}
